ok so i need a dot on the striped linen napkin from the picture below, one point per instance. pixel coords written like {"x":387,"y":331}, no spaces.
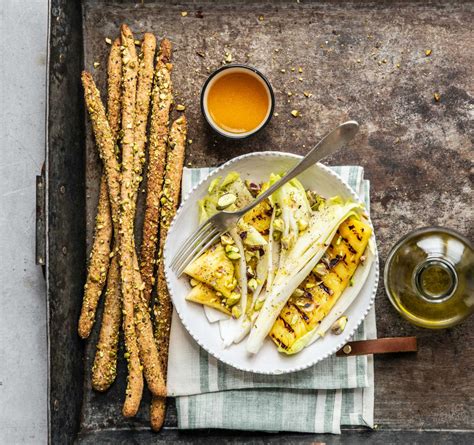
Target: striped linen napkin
{"x":210,"y":394}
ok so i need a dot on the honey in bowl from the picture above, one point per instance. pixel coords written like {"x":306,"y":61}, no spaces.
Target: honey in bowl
{"x":237,"y":101}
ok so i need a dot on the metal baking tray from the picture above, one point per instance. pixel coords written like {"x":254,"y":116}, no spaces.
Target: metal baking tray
{"x":271,"y":35}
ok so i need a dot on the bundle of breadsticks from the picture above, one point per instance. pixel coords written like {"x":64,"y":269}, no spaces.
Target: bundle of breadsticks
{"x":139,"y":97}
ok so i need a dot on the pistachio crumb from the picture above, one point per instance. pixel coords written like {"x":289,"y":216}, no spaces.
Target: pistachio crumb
{"x":260,"y":18}
{"x":108,"y":41}
{"x":437,"y":96}
{"x":295,"y":113}
{"x":180,"y":107}
{"x":184,"y":13}
{"x":300,"y":70}
{"x":428,"y":52}
{"x":96,"y":64}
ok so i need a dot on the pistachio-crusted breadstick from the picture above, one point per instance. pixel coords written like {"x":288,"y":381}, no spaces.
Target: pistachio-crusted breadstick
{"x":161,"y":102}
{"x":104,"y":369}
{"x":170,"y":202}
{"x":144,"y":85}
{"x":98,"y":264}
{"x":129,"y":286}
{"x":114,"y":86}
{"x":105,"y":142}
{"x":143,"y":326}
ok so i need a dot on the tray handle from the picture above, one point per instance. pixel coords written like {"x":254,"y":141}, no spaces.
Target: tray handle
{"x":41,"y":219}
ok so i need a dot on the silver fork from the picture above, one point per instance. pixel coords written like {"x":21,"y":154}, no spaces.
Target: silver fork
{"x":210,"y":231}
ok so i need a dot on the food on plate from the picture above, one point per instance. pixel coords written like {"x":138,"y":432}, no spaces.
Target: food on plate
{"x":169,"y":204}
{"x":316,"y":296}
{"x":158,"y":140}
{"x":291,"y":265}
{"x":104,"y":369}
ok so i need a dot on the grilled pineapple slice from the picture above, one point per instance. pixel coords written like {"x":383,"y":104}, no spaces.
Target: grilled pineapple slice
{"x":203,"y":294}
{"x":260,"y":217}
{"x":320,"y":291}
{"x":215,"y":269}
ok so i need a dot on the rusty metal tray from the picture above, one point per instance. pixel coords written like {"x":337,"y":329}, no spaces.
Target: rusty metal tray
{"x":361,"y":60}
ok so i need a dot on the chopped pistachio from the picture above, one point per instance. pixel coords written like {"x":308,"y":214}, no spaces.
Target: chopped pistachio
{"x":233,"y":299}
{"x":96,"y":64}
{"x":226,"y":240}
{"x":234,"y":255}
{"x":236,"y":312}
{"x":260,"y":18}
{"x":184,"y":13}
{"x":295,"y":113}
{"x":252,"y":284}
{"x":339,"y":325}
{"x":108,"y":41}
{"x":228,"y":57}
{"x":180,"y":107}
{"x":428,"y":52}
{"x":307,"y":94}
{"x":226,"y":200}
{"x":437,"y":97}
{"x":298,"y":292}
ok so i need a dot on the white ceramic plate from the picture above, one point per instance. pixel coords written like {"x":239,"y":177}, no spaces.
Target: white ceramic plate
{"x":257,"y":167}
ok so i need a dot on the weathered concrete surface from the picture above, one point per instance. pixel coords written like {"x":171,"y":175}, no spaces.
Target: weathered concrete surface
{"x":23,"y":341}
{"x":364,"y":61}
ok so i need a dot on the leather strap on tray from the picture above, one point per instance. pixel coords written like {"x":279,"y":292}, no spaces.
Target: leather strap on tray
{"x":379,"y":346}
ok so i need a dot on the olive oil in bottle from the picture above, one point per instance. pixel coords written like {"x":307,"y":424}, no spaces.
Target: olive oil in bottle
{"x":429,"y":277}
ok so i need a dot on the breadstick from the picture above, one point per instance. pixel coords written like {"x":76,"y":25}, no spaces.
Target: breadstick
{"x":143,"y":326}
{"x":98,"y":264}
{"x":144,"y":85}
{"x":99,"y":260}
{"x":133,"y":392}
{"x":104,"y":369}
{"x":105,"y":142}
{"x":161,"y":103}
{"x":163,"y":308}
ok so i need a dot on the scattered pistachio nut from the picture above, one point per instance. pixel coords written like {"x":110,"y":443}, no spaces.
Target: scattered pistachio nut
{"x":295,"y":113}
{"x":339,"y":325}
{"x":259,"y":304}
{"x":226,"y":240}
{"x":252,"y":284}
{"x":231,"y":248}
{"x":180,"y":107}
{"x":228,"y":57}
{"x":298,"y":292}
{"x":428,"y":52}
{"x":108,"y":41}
{"x":236,"y":312}
{"x":96,"y":64}
{"x":233,"y":255}
{"x":233,"y":299}
{"x":184,"y":13}
{"x":437,"y":97}
{"x":225,"y":201}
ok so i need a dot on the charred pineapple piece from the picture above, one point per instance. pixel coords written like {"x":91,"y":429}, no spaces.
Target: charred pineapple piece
{"x":215,"y":269}
{"x":207,"y":296}
{"x":260,"y":217}
{"x":321,"y":289}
